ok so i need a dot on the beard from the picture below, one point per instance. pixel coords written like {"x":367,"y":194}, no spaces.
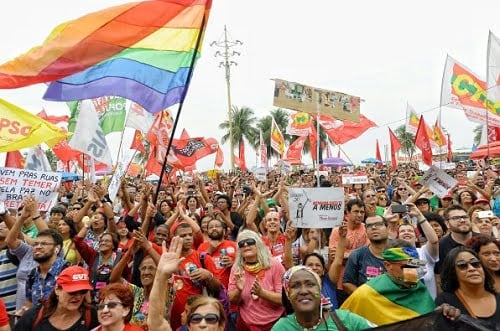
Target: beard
{"x":216,"y":236}
{"x":42,"y":258}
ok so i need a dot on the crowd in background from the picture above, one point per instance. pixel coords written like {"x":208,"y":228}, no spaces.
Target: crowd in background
{"x":223,"y":254}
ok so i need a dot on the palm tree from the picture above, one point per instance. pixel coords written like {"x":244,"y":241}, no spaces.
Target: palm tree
{"x":406,"y":139}
{"x":478,"y":131}
{"x":282,"y":118}
{"x":243,"y":126}
{"x":52,"y":158}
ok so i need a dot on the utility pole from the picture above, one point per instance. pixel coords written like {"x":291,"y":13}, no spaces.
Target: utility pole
{"x":226,"y":54}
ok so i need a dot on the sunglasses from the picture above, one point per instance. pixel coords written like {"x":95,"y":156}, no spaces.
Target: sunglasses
{"x":109,"y":305}
{"x":381,"y":191}
{"x":209,"y":318}
{"x":82,"y":292}
{"x":463,"y":265}
{"x":246,"y":242}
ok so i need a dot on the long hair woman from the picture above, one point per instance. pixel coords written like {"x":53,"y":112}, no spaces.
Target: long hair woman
{"x":488,"y":250}
{"x":255,"y":284}
{"x":469,"y":287}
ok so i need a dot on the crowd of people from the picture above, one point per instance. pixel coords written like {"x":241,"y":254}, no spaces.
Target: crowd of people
{"x":223,"y":253}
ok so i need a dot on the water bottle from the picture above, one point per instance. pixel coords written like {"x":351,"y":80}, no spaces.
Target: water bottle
{"x":223,"y":252}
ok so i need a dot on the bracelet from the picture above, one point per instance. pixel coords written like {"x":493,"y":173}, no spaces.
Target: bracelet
{"x":36,"y":217}
{"x":422,"y":221}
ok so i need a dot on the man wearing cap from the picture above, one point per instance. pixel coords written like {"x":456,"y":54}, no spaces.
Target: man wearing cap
{"x":232,"y":219}
{"x":484,"y":203}
{"x":396,"y":295}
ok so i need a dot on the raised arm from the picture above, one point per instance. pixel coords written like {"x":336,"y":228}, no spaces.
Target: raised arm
{"x":335,"y":269}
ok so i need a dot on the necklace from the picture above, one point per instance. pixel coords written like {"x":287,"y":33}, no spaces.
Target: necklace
{"x":309,"y":329}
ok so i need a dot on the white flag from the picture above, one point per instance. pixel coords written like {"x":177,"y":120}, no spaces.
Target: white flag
{"x":37,"y":160}
{"x":88,"y":136}
{"x":412,"y":119}
{"x":139,"y":118}
{"x":493,"y":73}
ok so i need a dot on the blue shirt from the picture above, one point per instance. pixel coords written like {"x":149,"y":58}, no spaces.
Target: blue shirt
{"x":43,"y":286}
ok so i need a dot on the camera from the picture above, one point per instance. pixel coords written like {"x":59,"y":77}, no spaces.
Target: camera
{"x":400,"y":209}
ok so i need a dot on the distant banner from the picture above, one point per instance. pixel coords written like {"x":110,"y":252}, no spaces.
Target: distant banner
{"x":15,"y":184}
{"x":304,"y":98}
{"x":316,"y":207}
{"x":120,"y":171}
{"x":351,"y":179}
{"x":260,"y":174}
{"x":438,"y":181}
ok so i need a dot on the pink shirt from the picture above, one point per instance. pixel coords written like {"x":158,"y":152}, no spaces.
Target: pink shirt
{"x":259,"y":311}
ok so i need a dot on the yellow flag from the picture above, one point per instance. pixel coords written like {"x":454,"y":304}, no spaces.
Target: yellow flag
{"x":21,"y":129}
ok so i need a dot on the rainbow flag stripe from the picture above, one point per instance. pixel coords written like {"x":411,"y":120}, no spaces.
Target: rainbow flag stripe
{"x":141,"y":51}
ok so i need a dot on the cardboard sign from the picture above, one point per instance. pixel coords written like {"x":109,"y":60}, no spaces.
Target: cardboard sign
{"x":15,"y":184}
{"x":438,"y":181}
{"x":316,"y":207}
{"x":260,"y":174}
{"x":352,"y":179}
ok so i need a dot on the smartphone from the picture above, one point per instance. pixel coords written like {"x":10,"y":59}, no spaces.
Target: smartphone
{"x":485,"y":214}
{"x":399,"y":209}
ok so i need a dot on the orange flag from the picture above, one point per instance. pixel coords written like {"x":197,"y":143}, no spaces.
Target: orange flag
{"x":438,"y":135}
{"x":137,"y":142}
{"x":422,"y":141}
{"x":395,"y":146}
{"x":14,"y":159}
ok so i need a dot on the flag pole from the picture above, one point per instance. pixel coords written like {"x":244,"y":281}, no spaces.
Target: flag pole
{"x":188,"y":81}
{"x":440,"y":144}
{"x":487,"y":88}
{"x":317,"y":138}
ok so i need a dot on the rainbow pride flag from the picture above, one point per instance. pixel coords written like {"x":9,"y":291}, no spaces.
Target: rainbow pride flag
{"x":382,"y":301}
{"x":142,"y":51}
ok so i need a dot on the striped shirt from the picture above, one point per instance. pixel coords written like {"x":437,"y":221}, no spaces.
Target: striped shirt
{"x":8,"y":282}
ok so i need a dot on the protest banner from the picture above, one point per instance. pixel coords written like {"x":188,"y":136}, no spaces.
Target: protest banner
{"x":15,"y":184}
{"x":316,"y":207}
{"x":438,"y":181}
{"x":212,"y":174}
{"x":260,"y":174}
{"x":121,"y":169}
{"x":352,"y":179}
{"x":307,"y":99}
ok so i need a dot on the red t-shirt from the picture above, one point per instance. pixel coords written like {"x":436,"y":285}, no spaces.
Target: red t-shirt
{"x":222,"y":272}
{"x":183,"y":286}
{"x":278,"y":249}
{"x":4,"y":318}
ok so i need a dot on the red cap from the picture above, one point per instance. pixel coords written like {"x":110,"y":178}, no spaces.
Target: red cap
{"x":73,"y":279}
{"x":481,"y":200}
{"x":447,"y":196}
{"x":175,"y":226}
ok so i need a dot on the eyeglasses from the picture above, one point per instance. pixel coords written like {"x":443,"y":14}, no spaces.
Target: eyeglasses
{"x":463,"y":265}
{"x":376,"y":224}
{"x":369,"y":195}
{"x":402,"y":189}
{"x":82,"y":292}
{"x":458,"y":218}
{"x":381,"y":191}
{"x":246,"y":242}
{"x":42,"y":243}
{"x":209,"y":318}
{"x":109,"y":305}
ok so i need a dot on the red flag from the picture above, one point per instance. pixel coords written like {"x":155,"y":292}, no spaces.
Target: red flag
{"x":294,"y":151}
{"x":263,"y":151}
{"x":450,"y":153}
{"x":184,"y":134}
{"x":53,"y":119}
{"x":377,"y":152}
{"x":14,"y":159}
{"x":313,"y":142}
{"x":159,"y":133}
{"x":341,"y":132}
{"x":137,"y":142}
{"x":219,"y":157}
{"x":238,"y":162}
{"x":64,"y":152}
{"x":243,"y":165}
{"x":423,"y":143}
{"x":395,"y":146}
{"x":188,"y":151}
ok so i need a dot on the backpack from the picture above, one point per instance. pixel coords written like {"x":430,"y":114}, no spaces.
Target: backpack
{"x":222,"y":295}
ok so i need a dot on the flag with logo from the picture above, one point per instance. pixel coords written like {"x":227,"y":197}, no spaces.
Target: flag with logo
{"x":137,"y":142}
{"x":88,"y":137}
{"x":21,"y":129}
{"x":110,"y":110}
{"x":294,"y":151}
{"x":37,"y":160}
{"x":341,"y":132}
{"x":438,"y":135}
{"x":188,"y":151}
{"x":277,"y":139}
{"x":412,"y":122}
{"x":138,"y":118}
{"x":462,"y":89}
{"x":300,"y":124}
{"x":423,"y":143}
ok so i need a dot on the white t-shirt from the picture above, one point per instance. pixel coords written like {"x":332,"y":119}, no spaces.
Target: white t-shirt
{"x":430,"y":261}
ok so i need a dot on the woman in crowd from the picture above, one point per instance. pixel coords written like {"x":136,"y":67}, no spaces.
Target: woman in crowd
{"x":193,"y":206}
{"x":314,"y":238}
{"x":468,"y":286}
{"x":204,"y":313}
{"x":255,"y":284}
{"x":124,"y":236}
{"x":466,"y":198}
{"x":67,"y":230}
{"x":402,"y":193}
{"x":437,"y":223}
{"x":303,"y":288}
{"x":382,"y":199}
{"x":114,"y":309}
{"x":66,"y":308}
{"x":165,"y":210}
{"x":488,"y":250}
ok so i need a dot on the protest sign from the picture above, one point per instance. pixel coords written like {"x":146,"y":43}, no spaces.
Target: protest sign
{"x":260,"y":174}
{"x":352,"y":179}
{"x":316,"y":207}
{"x":438,"y":181}
{"x":15,"y":184}
{"x":121,"y":169}
{"x":212,"y":174}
